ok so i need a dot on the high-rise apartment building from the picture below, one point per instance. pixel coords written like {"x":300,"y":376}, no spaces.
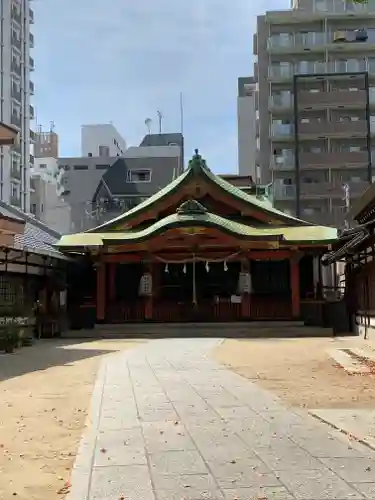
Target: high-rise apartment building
{"x":315,"y":71}
{"x":246,"y":123}
{"x":16,"y":40}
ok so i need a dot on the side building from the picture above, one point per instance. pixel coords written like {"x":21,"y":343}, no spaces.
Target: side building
{"x":316,"y":76}
{"x":246,"y":123}
{"x":102,"y":140}
{"x":16,"y":40}
{"x":141,"y":172}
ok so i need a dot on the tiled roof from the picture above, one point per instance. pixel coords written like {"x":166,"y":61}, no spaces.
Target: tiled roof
{"x":192,"y":213}
{"x":37,"y":237}
{"x":198,"y":168}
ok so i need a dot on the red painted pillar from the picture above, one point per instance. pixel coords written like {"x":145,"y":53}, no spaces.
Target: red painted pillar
{"x":100,"y":292}
{"x":295,"y":286}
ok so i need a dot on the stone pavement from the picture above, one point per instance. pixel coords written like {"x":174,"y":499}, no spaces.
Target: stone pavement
{"x":168,"y":423}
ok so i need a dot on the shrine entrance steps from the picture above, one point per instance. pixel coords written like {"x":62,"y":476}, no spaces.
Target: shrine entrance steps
{"x":256,"y":329}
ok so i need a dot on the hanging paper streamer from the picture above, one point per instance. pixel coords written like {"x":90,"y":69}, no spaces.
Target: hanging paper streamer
{"x":207,"y":266}
{"x":184,"y":269}
{"x":225,"y":266}
{"x":166,"y":270}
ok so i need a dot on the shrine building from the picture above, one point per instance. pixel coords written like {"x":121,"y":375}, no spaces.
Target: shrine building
{"x":200,"y":249}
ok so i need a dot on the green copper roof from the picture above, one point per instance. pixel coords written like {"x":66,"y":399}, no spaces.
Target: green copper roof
{"x":198,"y":167}
{"x":193,"y":214}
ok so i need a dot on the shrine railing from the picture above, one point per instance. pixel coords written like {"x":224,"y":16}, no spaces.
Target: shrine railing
{"x":169,"y":311}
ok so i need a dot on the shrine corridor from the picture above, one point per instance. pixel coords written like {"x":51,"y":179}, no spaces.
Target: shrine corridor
{"x":167,"y":422}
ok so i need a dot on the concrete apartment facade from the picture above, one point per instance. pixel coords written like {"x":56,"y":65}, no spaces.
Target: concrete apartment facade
{"x":16,"y":41}
{"x":315,"y":74}
{"x":102,"y":140}
{"x":246,"y":127}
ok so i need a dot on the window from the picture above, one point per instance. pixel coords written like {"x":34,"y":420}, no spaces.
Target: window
{"x":8,"y":292}
{"x":102,"y":167}
{"x":139,"y":176}
{"x":81,"y":167}
{"x":33,"y":208}
{"x":103,"y":151}
{"x":43,"y":165}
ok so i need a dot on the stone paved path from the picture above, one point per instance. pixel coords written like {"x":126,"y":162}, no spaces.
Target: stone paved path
{"x":168,"y":423}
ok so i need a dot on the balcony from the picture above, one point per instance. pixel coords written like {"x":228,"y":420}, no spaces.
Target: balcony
{"x":298,"y":43}
{"x":324,"y":129}
{"x":285,"y":162}
{"x":282,"y":132}
{"x":16,"y":15}
{"x":16,"y":68}
{"x":284,"y":192}
{"x":281,"y":73}
{"x":31,"y":64}
{"x":31,"y":88}
{"x":15,"y":173}
{"x":16,"y":120}
{"x":16,"y":94}
{"x":31,"y":112}
{"x":31,"y":16}
{"x":338,"y":44}
{"x":16,"y":42}
{"x":280,"y":104}
{"x":339,"y":159}
{"x":317,"y":190}
{"x":31,"y":160}
{"x":15,"y":200}
{"x":31,"y":41}
{"x":32,"y":136}
{"x":334,"y":99}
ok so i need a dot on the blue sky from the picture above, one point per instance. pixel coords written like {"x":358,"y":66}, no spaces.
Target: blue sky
{"x":121,"y":60}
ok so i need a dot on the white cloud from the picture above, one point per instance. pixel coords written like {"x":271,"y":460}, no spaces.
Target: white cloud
{"x":122,"y":60}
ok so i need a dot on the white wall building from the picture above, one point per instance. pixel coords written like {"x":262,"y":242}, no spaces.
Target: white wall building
{"x":246,"y":118}
{"x":102,"y":140}
{"x":48,"y":169}
{"x":46,"y":203}
{"x":16,"y":64}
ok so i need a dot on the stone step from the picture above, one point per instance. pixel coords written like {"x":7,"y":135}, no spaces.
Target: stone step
{"x":226,"y":330}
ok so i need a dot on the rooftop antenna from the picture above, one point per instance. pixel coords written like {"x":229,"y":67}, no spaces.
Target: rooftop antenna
{"x":148,"y":123}
{"x":52,"y":126}
{"x":160,"y":118}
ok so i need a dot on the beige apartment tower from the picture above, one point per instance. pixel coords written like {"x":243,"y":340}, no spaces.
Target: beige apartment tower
{"x":315,"y":74}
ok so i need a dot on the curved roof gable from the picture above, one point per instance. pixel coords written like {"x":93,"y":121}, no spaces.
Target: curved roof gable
{"x":192,"y":213}
{"x":198,"y":168}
